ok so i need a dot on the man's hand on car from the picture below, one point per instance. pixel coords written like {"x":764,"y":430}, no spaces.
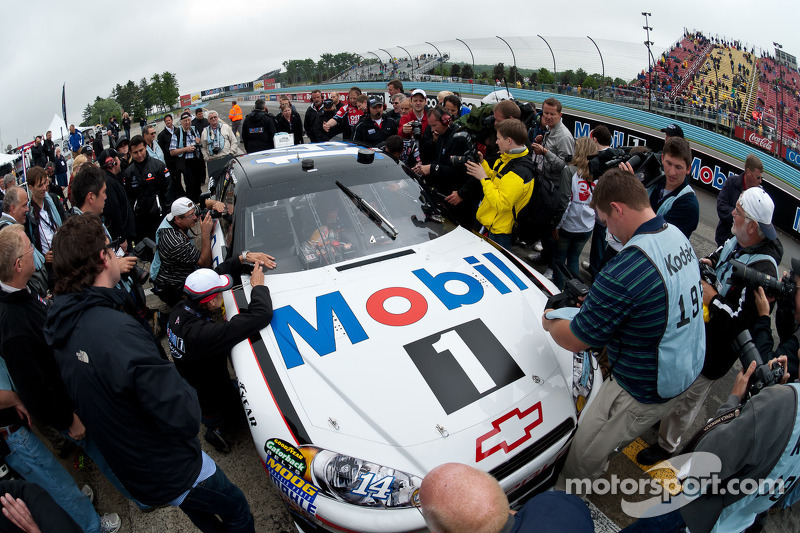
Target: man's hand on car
{"x":207,"y":225}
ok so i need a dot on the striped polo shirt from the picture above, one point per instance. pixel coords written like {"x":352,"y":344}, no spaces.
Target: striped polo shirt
{"x":626,"y":311}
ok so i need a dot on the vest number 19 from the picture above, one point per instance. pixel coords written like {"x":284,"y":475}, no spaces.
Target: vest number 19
{"x":696,"y":307}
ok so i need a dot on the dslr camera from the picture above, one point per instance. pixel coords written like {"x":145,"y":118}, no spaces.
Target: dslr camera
{"x":463,"y":150}
{"x":646,"y":165}
{"x":144,"y":250}
{"x":573,"y":293}
{"x":416,"y":129}
{"x":781,"y":289}
{"x":764,"y":375}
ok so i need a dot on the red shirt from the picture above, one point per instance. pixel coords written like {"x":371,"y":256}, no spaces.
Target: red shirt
{"x":411,"y":117}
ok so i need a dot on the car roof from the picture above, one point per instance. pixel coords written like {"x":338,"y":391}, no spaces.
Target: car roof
{"x":268,"y":167}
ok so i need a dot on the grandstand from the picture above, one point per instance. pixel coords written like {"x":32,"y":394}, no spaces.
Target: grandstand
{"x":771,"y":93}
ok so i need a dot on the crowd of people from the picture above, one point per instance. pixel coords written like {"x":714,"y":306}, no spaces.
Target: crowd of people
{"x":67,"y":268}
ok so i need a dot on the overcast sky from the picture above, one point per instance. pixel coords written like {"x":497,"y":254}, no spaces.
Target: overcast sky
{"x":93,"y":45}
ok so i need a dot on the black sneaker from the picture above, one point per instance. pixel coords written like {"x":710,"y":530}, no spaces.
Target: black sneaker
{"x":652,"y":455}
{"x":214,"y":438}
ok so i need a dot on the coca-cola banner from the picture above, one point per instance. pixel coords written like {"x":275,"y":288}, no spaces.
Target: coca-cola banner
{"x":758,"y":140}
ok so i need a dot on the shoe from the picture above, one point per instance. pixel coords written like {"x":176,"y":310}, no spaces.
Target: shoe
{"x":87,"y":490}
{"x":585,"y":265}
{"x":110,"y":523}
{"x":548,"y":274}
{"x":537,"y":247}
{"x":536,"y":258}
{"x":214,"y":438}
{"x":652,"y":455}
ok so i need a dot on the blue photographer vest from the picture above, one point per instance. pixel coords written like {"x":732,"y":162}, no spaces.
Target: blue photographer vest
{"x":682,"y":346}
{"x":739,"y":515}
{"x":667,"y":205}
{"x":724,"y":267}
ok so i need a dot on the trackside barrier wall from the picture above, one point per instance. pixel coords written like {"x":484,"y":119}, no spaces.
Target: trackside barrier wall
{"x":708,"y":171}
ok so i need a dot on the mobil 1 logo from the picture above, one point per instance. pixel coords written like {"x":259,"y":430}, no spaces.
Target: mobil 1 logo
{"x":463,"y":364}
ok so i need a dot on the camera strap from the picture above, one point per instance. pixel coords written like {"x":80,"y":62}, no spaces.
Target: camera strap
{"x":724,"y":418}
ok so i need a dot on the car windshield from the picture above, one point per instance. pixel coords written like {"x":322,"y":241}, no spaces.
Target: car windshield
{"x":325,"y":226}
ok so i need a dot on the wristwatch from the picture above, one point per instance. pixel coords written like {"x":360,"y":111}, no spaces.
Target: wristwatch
{"x":244,"y":255}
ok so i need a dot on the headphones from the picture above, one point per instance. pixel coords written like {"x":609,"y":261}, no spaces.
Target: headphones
{"x":446,"y":119}
{"x":110,"y":162}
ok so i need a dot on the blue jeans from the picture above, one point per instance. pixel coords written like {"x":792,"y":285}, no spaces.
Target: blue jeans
{"x":667,"y":523}
{"x":217,"y":505}
{"x":598,"y":248}
{"x":33,"y":461}
{"x":503,"y":239}
{"x":568,"y":247}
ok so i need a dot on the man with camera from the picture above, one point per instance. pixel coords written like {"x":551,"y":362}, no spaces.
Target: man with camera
{"x":177,"y":256}
{"x":415,"y":122}
{"x":553,"y":151}
{"x":731,"y":310}
{"x":508,"y":186}
{"x":185,"y":148}
{"x":218,"y":142}
{"x":460,"y":193}
{"x":200,"y":346}
{"x":374,"y":127}
{"x":143,"y":415}
{"x":148,"y":187}
{"x":637,"y":308}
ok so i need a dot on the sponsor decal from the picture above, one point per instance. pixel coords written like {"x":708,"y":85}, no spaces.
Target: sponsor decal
{"x":509,"y":432}
{"x":286,"y":454}
{"x":246,"y":404}
{"x":298,"y":492}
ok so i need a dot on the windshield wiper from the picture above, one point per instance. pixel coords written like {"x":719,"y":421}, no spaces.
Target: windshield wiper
{"x":370,"y":211}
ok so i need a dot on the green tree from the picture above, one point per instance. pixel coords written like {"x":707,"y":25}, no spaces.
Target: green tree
{"x":499,"y":71}
{"x":620,"y":81}
{"x":467,"y":73}
{"x":545,"y":76}
{"x":102,"y":109}
{"x":590,"y":82}
{"x":455,"y":70}
{"x":513,"y":74}
{"x":580,"y":77}
{"x":170,"y":90}
{"x":155,"y":91}
{"x":86,"y":116}
{"x":146,"y":94}
{"x":568,"y":76}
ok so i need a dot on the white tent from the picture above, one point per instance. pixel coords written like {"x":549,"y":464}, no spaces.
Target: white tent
{"x":6,"y":158}
{"x":59,"y":128}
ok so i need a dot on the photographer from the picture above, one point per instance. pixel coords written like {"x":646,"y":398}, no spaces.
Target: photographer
{"x":177,"y":256}
{"x":218,"y":140}
{"x":417,"y":115}
{"x":200,"y":346}
{"x":787,"y":322}
{"x":460,"y":193}
{"x":731,"y":310}
{"x":185,"y":148}
{"x":508,"y":186}
{"x":754,"y":442}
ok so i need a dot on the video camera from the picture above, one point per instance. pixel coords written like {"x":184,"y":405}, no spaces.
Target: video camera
{"x":782,"y":289}
{"x":144,"y":250}
{"x":573,"y":293}
{"x":646,"y":165}
{"x":464,"y":149}
{"x":763,"y":376}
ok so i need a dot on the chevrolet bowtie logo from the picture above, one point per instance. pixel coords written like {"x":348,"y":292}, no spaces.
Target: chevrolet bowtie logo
{"x":513,"y":423}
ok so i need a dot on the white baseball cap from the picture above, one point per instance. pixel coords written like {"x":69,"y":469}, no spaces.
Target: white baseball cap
{"x":180,"y":207}
{"x":419,"y":91}
{"x":759,"y":206}
{"x":203,"y":284}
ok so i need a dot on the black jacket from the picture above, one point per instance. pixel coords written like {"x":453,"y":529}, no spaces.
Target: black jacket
{"x":30,"y":360}
{"x":164,"y":139}
{"x":38,"y":157}
{"x":32,"y":224}
{"x":199,"y":125}
{"x":258,"y":130}
{"x":97,"y":145}
{"x":308,"y":122}
{"x":148,"y":187}
{"x":320,"y":134}
{"x":726,"y":203}
{"x":200,"y":347}
{"x":117,"y":213}
{"x":368,"y":131}
{"x":295,"y":128}
{"x":49,"y":148}
{"x":144,"y":417}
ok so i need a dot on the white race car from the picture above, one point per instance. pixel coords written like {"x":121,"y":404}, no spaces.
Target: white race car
{"x":399,"y":341}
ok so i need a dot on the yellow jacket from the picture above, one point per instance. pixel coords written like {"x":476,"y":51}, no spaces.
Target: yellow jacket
{"x":235,"y":113}
{"x":505,"y":192}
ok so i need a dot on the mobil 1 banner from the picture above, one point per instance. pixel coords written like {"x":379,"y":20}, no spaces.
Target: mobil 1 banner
{"x":707,"y":172}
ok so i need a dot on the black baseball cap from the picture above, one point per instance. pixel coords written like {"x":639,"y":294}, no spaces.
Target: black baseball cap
{"x":673,"y":130}
{"x":105,"y":155}
{"x":124,"y":141}
{"x":327,"y":103}
{"x":375,"y":101}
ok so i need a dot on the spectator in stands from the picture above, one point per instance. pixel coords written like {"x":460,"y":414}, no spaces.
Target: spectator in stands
{"x":507,"y":187}
{"x":457,"y":498}
{"x":553,"y":150}
{"x":418,"y":105}
{"x":575,"y":227}
{"x":236,"y":118}
{"x":155,"y":453}
{"x":148,"y":186}
{"x":288,"y":122}
{"x":311,"y":115}
{"x":730,"y":193}
{"x":374,"y":128}
{"x":394,"y":87}
{"x":258,"y":129}
{"x":674,"y":198}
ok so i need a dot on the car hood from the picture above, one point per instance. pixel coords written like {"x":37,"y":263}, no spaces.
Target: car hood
{"x":400,"y":348}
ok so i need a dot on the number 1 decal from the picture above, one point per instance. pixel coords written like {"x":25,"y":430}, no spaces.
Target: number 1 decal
{"x":463,"y":364}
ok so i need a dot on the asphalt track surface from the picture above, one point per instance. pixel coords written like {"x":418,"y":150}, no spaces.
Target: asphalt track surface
{"x":244,"y":468}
